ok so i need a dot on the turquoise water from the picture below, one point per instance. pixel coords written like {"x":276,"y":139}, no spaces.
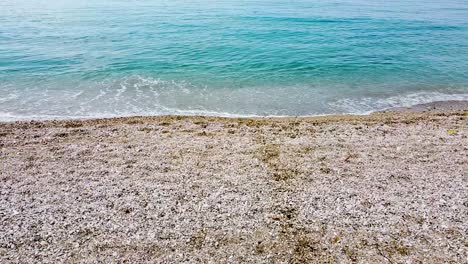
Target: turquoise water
{"x":62,"y":59}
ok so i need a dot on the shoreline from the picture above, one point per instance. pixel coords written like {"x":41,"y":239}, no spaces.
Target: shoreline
{"x":386,"y":187}
{"x":437,"y":106}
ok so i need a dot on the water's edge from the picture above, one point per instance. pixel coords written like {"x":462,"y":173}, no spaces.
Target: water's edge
{"x":436,"y":106}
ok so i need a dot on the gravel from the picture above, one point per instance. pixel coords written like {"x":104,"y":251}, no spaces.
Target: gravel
{"x":384,"y":188}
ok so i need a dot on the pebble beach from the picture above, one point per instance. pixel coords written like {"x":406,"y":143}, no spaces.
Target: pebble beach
{"x":389,"y":187}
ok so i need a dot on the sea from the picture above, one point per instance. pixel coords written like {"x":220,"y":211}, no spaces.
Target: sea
{"x":106,"y":58}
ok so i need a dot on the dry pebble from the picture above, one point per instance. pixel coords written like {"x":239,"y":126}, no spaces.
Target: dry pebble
{"x":384,"y":188}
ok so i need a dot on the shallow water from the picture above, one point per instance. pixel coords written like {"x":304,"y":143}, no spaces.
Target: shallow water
{"x":61,"y":59}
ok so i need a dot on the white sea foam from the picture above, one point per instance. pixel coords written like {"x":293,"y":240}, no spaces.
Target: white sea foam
{"x":368,"y":105}
{"x":360,"y":106}
{"x":143,"y":96}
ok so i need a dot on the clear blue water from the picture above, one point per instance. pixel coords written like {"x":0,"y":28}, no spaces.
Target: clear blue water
{"x":95,"y":58}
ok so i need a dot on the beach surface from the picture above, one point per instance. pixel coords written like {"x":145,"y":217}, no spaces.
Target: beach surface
{"x":389,"y":187}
